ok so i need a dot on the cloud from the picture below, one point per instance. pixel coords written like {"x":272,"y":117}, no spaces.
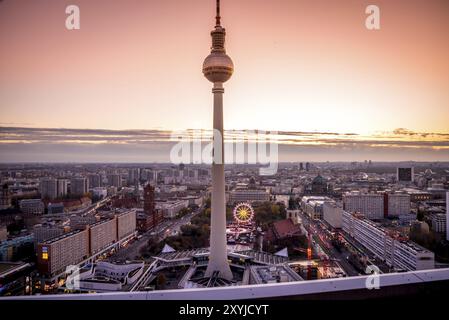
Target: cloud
{"x":406,"y":132}
{"x":103,"y":145}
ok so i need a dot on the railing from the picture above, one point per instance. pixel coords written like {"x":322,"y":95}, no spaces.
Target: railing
{"x":275,"y":290}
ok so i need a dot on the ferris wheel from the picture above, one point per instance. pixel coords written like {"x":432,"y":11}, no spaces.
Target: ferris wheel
{"x":243,"y":213}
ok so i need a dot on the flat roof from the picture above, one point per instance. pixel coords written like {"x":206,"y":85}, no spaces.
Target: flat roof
{"x":63,"y":236}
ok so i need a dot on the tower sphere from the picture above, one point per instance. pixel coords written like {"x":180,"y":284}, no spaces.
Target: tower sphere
{"x":218,"y":67}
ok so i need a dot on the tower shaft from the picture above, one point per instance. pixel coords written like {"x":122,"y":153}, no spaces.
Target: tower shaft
{"x":218,"y":257}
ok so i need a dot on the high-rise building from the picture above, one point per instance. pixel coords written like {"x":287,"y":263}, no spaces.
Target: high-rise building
{"x":5,"y":198}
{"x":79,"y":186}
{"x":438,"y":222}
{"x":102,"y":234}
{"x":95,"y":181}
{"x":333,"y":213}
{"x":115,"y":180}
{"x":48,"y":188}
{"x":397,"y":253}
{"x":405,"y":174}
{"x":62,"y":186}
{"x":92,"y":236}
{"x":398,"y":204}
{"x":54,"y":255}
{"x":133,"y":176}
{"x":44,"y":232}
{"x":51,"y":188}
{"x":148,"y":199}
{"x":126,"y":223}
{"x":150,"y":217}
{"x":369,"y":204}
{"x":218,"y":68}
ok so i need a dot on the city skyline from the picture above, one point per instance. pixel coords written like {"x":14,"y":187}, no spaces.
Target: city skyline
{"x":341,"y":91}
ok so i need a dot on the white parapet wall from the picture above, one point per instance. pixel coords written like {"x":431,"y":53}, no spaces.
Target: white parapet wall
{"x":275,"y":290}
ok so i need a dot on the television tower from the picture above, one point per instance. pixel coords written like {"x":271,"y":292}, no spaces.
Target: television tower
{"x":218,"y":68}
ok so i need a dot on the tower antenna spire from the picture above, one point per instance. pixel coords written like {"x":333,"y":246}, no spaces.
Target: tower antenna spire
{"x":218,"y":18}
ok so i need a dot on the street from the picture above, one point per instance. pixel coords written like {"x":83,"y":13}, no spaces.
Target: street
{"x":165,"y":229}
{"x":319,"y":238}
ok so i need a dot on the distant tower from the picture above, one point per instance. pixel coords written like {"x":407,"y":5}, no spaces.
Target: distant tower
{"x":5,"y":198}
{"x":148,"y":199}
{"x":218,"y":68}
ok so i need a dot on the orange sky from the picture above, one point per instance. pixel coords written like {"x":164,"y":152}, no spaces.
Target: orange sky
{"x":299,"y":65}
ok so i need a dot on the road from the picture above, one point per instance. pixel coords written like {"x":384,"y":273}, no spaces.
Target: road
{"x":319,"y":238}
{"x":165,"y":229}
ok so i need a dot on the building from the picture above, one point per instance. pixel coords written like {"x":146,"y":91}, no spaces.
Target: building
{"x":283,"y":229}
{"x":99,"y":192}
{"x":44,"y":232}
{"x":48,"y":188}
{"x":78,"y":222}
{"x":126,"y":223}
{"x":148,"y":199}
{"x":5,"y":198}
{"x":333,"y":214}
{"x":106,"y":277}
{"x":56,"y":254}
{"x":438,"y":221}
{"x":115,"y":180}
{"x":32,"y":206}
{"x":248,"y":196}
{"x":272,"y":274}
{"x":102,"y":234}
{"x":53,"y":188}
{"x":417,"y":195}
{"x":95,"y":180}
{"x":369,"y":204}
{"x":398,"y":204}
{"x":313,"y":205}
{"x":133,"y":176}
{"x":146,"y":222}
{"x":397,"y":253}
{"x":405,"y":174}
{"x":3,"y":233}
{"x":13,"y":249}
{"x":294,"y":215}
{"x":62,"y":187}
{"x":79,"y":186}
{"x":318,"y":186}
{"x":55,"y":208}
{"x":170,"y":209}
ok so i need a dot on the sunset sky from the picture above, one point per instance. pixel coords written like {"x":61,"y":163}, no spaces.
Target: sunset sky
{"x":307,"y":68}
